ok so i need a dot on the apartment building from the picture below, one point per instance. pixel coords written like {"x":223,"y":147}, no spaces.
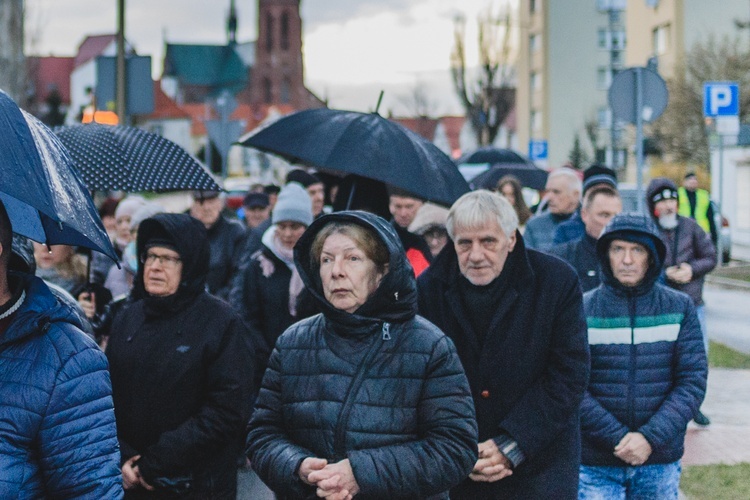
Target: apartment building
{"x":568,"y":50}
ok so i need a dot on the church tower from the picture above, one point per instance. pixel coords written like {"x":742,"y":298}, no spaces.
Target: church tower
{"x":278,"y":73}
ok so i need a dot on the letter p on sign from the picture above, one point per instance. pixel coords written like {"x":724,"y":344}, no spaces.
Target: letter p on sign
{"x":721,"y":99}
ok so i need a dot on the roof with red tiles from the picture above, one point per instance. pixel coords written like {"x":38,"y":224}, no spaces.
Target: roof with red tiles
{"x":48,"y":73}
{"x":422,"y":125}
{"x":252,"y":116}
{"x":164,"y":107}
{"x":93,"y":46}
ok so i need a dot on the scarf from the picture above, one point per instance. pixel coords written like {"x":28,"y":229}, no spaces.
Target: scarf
{"x":286,"y":255}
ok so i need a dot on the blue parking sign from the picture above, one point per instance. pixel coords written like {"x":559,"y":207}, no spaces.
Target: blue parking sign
{"x":537,"y":150}
{"x":721,"y":99}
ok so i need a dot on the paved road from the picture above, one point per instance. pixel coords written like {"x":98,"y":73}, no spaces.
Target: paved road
{"x":728,"y":316}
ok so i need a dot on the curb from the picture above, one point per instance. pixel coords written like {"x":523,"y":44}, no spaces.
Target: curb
{"x":729,"y":283}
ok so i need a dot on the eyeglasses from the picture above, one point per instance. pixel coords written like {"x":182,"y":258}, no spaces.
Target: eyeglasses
{"x":165,"y":260}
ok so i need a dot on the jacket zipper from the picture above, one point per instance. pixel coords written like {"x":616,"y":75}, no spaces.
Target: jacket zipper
{"x":339,"y":440}
{"x":631,"y":366}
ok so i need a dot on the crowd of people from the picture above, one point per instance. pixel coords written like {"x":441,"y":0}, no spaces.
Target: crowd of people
{"x":485,"y":351}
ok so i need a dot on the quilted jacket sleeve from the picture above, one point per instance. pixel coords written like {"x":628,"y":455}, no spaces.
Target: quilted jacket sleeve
{"x":599,"y":424}
{"x":273,"y":455}
{"x":690,"y":373}
{"x":447,"y":450}
{"x":78,"y":448}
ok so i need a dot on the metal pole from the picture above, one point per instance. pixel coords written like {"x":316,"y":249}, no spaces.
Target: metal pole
{"x":639,"y":136}
{"x":719,"y":243}
{"x":121,"y":76}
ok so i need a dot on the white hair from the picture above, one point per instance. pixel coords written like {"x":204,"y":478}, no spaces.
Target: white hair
{"x":570,"y":175}
{"x":478,"y":208}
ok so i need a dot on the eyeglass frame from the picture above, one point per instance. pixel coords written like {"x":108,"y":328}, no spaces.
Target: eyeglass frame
{"x":166,"y":261}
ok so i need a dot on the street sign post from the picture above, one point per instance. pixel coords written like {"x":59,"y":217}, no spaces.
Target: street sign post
{"x":721,"y":104}
{"x":538,"y":151}
{"x":638,"y":95}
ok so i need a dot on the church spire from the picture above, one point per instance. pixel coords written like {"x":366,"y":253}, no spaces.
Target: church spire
{"x":232,"y":24}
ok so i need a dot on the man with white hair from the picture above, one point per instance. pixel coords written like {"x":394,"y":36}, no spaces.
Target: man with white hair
{"x":516,"y":318}
{"x":563,"y":198}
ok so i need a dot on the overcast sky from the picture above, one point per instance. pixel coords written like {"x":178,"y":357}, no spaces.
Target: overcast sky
{"x":352,"y":48}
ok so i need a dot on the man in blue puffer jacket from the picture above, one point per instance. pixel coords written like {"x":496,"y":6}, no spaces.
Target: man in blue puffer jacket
{"x":648,"y":369}
{"x":57,"y":423}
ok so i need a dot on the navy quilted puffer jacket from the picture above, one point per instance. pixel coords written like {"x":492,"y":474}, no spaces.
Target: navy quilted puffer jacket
{"x":381,"y":387}
{"x":57,"y":424}
{"x":648,"y":364}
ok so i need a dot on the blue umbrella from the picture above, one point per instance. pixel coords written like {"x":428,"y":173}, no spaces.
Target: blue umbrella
{"x":365,"y":144}
{"x":45,"y":199}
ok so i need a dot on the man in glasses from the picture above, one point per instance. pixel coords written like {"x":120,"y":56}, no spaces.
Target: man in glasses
{"x":181,"y":368}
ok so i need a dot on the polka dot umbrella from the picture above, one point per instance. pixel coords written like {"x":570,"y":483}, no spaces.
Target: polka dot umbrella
{"x":119,"y":158}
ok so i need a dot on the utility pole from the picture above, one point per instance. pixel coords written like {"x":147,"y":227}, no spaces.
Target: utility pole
{"x":616,"y":37}
{"x":122,"y":110}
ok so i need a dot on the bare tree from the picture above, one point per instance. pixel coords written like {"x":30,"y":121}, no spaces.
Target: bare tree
{"x":418,"y":102}
{"x":681,"y":130}
{"x":489,"y":98}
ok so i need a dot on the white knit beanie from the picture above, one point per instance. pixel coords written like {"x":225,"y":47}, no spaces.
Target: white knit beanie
{"x":129,"y":205}
{"x":293,"y":204}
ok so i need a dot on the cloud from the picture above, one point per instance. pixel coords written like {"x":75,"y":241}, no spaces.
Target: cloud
{"x":319,"y":12}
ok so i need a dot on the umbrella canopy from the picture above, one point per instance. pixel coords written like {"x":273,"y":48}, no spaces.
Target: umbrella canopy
{"x":491,"y":155}
{"x":131,"y":159}
{"x":365,"y":144}
{"x":527,"y":173}
{"x":45,"y":199}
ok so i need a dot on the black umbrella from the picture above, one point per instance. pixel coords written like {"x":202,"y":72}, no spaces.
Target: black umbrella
{"x":365,"y":144}
{"x":130,"y":159}
{"x":491,"y":155}
{"x":45,"y":199}
{"x":527,"y":173}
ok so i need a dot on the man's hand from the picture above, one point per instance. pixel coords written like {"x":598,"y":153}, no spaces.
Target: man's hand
{"x":679,"y":274}
{"x":335,"y":481}
{"x":87,"y":301}
{"x":308,"y":465}
{"x":633,"y":449}
{"x":492,"y":465}
{"x":130,"y":474}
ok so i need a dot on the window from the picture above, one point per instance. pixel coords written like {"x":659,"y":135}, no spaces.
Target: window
{"x":604,"y":5}
{"x":286,"y":91}
{"x":285,"y":31}
{"x":267,"y":91}
{"x":603,"y":117}
{"x":269,"y":32}
{"x":602,"y":39}
{"x":535,"y":81}
{"x":535,"y":42}
{"x":603,"y":77}
{"x":660,"y":39}
{"x":617,"y":40}
{"x":536,"y":121}
{"x":533,"y":6}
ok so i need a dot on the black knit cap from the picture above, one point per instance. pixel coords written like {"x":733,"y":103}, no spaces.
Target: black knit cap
{"x":302,"y":177}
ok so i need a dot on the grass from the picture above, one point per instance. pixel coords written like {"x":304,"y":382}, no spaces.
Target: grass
{"x":716,"y":482}
{"x":721,"y":356}
{"x":736,"y":272}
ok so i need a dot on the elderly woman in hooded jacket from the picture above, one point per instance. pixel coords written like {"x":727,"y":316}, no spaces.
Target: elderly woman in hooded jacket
{"x":181,"y":369}
{"x":366,"y":398}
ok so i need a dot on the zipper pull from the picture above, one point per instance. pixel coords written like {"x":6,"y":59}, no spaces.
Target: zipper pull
{"x":386,"y":331}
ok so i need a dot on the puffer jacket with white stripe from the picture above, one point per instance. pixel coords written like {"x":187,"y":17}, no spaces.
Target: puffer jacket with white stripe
{"x":648,"y":364}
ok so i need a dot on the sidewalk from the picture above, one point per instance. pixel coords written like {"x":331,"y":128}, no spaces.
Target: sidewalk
{"x":727,"y":404}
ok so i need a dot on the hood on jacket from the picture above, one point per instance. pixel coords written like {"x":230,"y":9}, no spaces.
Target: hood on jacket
{"x":40,"y":307}
{"x":395,"y":300}
{"x":656,"y":185}
{"x":189,"y":238}
{"x":637,"y":228}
